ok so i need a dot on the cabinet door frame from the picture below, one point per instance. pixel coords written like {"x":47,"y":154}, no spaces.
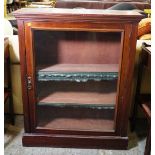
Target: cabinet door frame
{"x":125,"y":69}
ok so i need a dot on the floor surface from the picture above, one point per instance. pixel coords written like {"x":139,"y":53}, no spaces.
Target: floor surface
{"x":13,"y":144}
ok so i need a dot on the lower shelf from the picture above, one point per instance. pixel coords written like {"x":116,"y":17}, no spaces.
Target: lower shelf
{"x":77,"y":124}
{"x":73,"y":106}
{"x":76,"y":118}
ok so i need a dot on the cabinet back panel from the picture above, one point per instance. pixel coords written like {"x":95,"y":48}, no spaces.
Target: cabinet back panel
{"x":76,"y":47}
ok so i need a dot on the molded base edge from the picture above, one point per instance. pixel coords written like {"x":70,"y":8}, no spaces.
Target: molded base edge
{"x":75,"y":141}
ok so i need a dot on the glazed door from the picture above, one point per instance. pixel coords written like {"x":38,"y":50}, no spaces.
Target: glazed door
{"x":74,"y":77}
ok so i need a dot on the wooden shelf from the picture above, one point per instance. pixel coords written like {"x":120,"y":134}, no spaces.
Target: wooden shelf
{"x":79,"y":68}
{"x":92,"y":92}
{"x":78,"y":72}
{"x":79,"y":98}
{"x":78,"y":105}
{"x":78,"y":124}
{"x":77,"y":119}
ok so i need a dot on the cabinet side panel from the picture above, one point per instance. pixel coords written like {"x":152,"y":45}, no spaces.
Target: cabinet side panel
{"x":126,"y":78}
{"x":131,"y":56}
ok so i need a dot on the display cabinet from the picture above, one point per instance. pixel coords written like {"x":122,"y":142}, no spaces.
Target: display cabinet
{"x":76,"y":70}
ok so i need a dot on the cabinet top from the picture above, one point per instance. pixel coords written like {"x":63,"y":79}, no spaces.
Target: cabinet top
{"x":82,"y":14}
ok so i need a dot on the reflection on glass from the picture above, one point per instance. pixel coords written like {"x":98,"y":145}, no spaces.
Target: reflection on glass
{"x":76,"y":76}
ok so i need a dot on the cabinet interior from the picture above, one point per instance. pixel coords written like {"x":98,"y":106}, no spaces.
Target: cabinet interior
{"x":76,"y":47}
{"x":76,"y":79}
{"x":75,"y":118}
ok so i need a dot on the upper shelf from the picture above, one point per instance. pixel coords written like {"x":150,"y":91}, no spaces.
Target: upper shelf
{"x":78,"y":72}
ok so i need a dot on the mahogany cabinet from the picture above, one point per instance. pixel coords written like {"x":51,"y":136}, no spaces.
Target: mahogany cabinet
{"x":76,"y":70}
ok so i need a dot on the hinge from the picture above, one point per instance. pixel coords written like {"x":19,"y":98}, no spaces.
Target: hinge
{"x":29,"y":82}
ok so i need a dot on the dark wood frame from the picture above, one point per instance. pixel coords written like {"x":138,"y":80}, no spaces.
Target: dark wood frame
{"x":113,"y":21}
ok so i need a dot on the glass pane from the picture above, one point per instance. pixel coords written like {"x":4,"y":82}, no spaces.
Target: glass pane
{"x":76,"y":77}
